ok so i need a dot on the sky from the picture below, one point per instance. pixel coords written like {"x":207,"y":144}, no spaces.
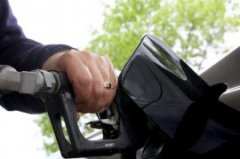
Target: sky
{"x":59,"y":21}
{"x":49,"y":22}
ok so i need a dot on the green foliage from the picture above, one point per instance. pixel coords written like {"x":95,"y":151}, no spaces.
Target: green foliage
{"x":191,"y":27}
{"x":49,"y":141}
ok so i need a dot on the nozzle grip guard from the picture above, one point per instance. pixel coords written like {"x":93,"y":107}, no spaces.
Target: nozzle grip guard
{"x":62,"y":106}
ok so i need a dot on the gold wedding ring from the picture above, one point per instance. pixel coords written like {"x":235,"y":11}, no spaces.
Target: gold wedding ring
{"x":107,"y":85}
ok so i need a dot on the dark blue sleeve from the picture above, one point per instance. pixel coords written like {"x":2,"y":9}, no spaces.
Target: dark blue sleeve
{"x":23,"y":54}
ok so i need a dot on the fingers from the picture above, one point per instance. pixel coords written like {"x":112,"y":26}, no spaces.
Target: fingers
{"x":87,"y":73}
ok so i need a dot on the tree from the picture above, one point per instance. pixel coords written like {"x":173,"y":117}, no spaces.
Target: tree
{"x":191,"y":28}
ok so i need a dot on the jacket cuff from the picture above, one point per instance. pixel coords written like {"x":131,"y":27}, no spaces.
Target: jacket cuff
{"x":42,"y":53}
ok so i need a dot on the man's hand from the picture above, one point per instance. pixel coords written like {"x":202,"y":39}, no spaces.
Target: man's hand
{"x":92,"y":77}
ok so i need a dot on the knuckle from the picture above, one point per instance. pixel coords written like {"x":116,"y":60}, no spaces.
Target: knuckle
{"x":89,"y":58}
{"x":87,"y":54}
{"x":107,"y":59}
{"x":87,"y":80}
{"x":104,"y":58}
{"x":68,"y":56}
{"x":101,"y":59}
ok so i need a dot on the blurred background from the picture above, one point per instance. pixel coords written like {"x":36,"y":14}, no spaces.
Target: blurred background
{"x":200,"y":31}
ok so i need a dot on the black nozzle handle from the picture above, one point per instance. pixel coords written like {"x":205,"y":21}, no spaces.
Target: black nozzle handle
{"x":62,"y":106}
